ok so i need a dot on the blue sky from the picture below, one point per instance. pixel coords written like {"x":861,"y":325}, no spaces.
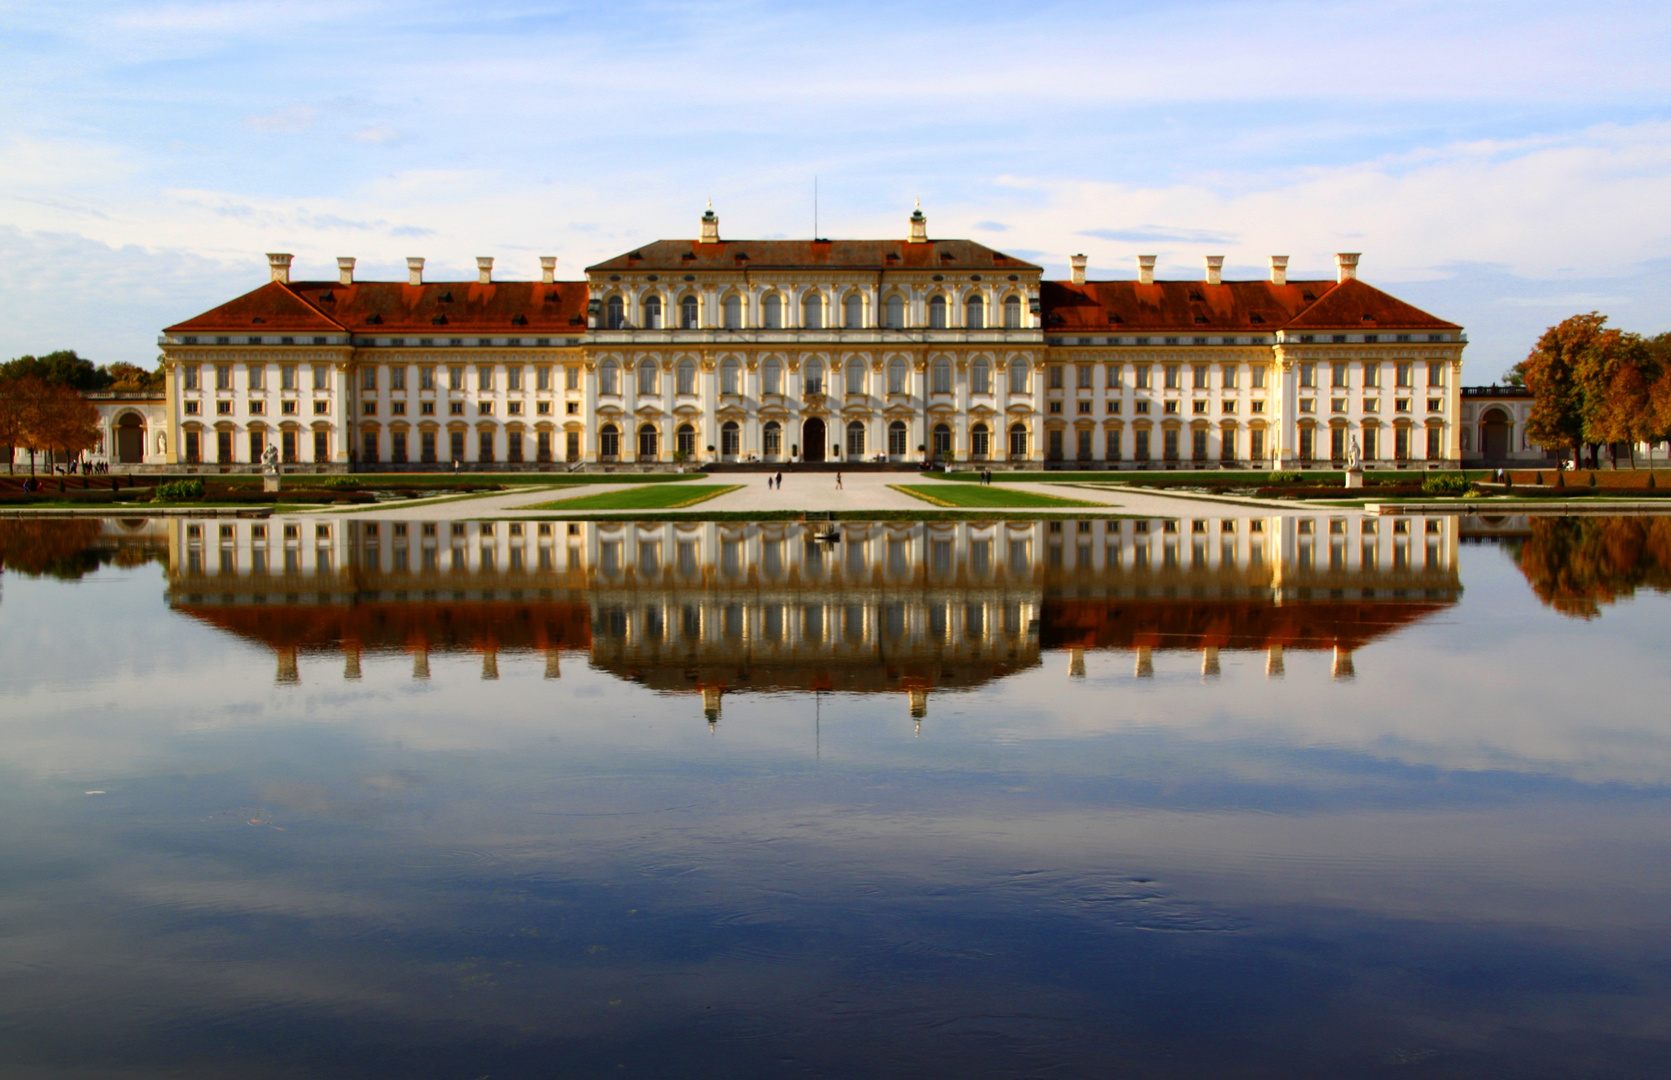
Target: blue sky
{"x":1502,"y":164}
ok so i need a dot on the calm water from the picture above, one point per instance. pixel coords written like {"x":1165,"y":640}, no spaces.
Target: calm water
{"x":1252,"y":798}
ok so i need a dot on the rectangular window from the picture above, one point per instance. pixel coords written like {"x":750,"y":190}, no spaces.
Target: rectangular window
{"x":1308,"y":375}
{"x":1401,"y":443}
{"x":484,"y":378}
{"x":1307,"y":443}
{"x":1085,"y":376}
{"x":1337,"y":373}
{"x":1403,"y":373}
{"x":368,"y":446}
{"x":397,"y":449}
{"x":1142,"y":450}
{"x":1169,"y":444}
{"x":542,"y":378}
{"x":1055,"y":376}
{"x":368,"y":379}
{"x":484,"y":446}
{"x":571,"y":378}
{"x":1258,"y":377}
{"x":1199,"y":375}
{"x":189,"y":374}
{"x":1228,"y":374}
{"x":1112,"y":377}
{"x":1171,"y":376}
{"x":397,"y":378}
{"x":321,"y":408}
{"x":513,"y":378}
{"x":1435,"y":442}
{"x":1142,"y":376}
{"x":1256,"y":444}
{"x":1436,"y":374}
{"x":322,"y":446}
{"x":1371,"y":376}
{"x":223,"y":377}
{"x":426,"y":378}
{"x":257,"y":374}
{"x":287,"y":377}
{"x":426,"y":447}
{"x":223,"y":447}
{"x":484,"y":408}
{"x":457,"y":445}
{"x":321,"y":377}
{"x":455,"y":378}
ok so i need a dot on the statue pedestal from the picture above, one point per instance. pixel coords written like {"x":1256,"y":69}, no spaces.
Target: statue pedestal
{"x":270,"y":482}
{"x":1354,"y":478}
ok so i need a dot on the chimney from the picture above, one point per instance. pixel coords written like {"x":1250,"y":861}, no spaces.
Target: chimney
{"x":1346,"y":264}
{"x":414,"y":271}
{"x":280,"y":267}
{"x":548,"y":269}
{"x":1146,"y":269}
{"x":1279,"y":269}
{"x":484,"y":269}
{"x":1078,"y":262}
{"x":710,"y":225}
{"x":1215,"y":269}
{"x":345,"y":270}
{"x":919,"y":225}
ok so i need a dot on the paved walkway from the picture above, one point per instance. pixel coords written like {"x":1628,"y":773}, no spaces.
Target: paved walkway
{"x":810,"y":491}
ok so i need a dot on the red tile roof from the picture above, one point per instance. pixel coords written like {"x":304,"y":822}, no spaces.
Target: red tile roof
{"x":691,"y":255}
{"x":1230,"y":307}
{"x":392,"y":307}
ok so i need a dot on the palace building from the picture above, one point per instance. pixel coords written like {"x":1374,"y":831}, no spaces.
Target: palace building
{"x":715,"y":350}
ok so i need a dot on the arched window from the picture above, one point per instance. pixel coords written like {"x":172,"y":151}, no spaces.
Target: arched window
{"x":894,"y":310}
{"x":686,"y":441}
{"x":896,"y":375}
{"x":729,"y":371}
{"x":687,"y":376}
{"x":688,"y":318}
{"x":980,"y":442}
{"x":855,"y":440}
{"x":974,"y":312}
{"x":942,"y":375}
{"x":1020,"y":376}
{"x":609,"y":442}
{"x":652,"y":312}
{"x":647,"y":443}
{"x":897,"y":434}
{"x":815,"y":376}
{"x":980,"y":376}
{"x":615,"y":313}
{"x":812,"y":312}
{"x":646,"y":376}
{"x":855,"y":375}
{"x":942,"y":442}
{"x":771,"y":437}
{"x":730,"y":439}
{"x":731,"y":312}
{"x":772,"y":312}
{"x":771,"y":376}
{"x":937,"y":313}
{"x":608,"y":376}
{"x":1012,"y":313}
{"x":854,"y":319}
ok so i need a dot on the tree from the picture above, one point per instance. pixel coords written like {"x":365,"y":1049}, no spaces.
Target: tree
{"x":61,"y":368}
{"x":1615,"y":376}
{"x":1550,"y":372}
{"x":133,"y":377}
{"x":66,"y":421}
{"x":12,"y":412}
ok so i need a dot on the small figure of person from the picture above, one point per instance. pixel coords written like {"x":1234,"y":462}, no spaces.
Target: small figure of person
{"x":838,"y":481}
{"x":780,"y":481}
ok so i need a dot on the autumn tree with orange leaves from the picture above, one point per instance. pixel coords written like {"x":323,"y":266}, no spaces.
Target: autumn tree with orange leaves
{"x":1593,"y":385}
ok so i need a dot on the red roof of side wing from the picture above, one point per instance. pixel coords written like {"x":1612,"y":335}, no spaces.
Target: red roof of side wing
{"x":1355,"y":305}
{"x":273,"y":307}
{"x":451,"y":307}
{"x":1243,"y":307}
{"x":804,"y":254}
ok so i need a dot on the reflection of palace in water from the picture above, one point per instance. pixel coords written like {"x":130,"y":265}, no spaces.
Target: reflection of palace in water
{"x":896,"y":607}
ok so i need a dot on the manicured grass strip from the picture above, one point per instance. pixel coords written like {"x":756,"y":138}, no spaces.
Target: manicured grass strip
{"x":646,"y":497}
{"x":979,"y":496}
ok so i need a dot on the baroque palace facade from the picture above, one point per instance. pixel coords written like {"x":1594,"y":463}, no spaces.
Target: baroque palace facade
{"x":822,"y":350}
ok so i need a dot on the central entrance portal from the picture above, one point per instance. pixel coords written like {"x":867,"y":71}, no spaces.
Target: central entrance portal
{"x":812,"y":439}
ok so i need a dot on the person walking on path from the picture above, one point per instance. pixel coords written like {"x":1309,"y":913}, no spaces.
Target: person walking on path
{"x":780,"y":481}
{"x":838,"y":481}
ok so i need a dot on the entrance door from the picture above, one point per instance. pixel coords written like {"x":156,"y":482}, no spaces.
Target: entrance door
{"x":1494,"y":436}
{"x":130,"y":441}
{"x":812,"y":439}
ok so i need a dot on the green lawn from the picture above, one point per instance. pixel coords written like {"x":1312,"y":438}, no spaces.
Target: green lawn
{"x":644,"y":497}
{"x":981,"y":496}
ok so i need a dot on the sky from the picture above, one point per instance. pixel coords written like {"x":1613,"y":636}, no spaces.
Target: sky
{"x":1502,"y":165}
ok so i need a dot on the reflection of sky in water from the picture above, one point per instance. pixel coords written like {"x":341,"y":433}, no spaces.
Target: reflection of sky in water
{"x":1452,"y":864}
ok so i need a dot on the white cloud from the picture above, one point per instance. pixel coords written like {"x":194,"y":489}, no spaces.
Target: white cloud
{"x":286,"y":119}
{"x":377,"y":133}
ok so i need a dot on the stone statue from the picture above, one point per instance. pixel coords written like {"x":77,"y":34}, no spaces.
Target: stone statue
{"x":269,"y":460}
{"x":1353,"y":454}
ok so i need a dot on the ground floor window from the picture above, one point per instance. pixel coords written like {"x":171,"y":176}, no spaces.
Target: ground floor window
{"x":1053,"y":444}
{"x":457,"y":448}
{"x":648,"y":437}
{"x":287,"y":447}
{"x":1307,"y":443}
{"x":368,"y":446}
{"x":542,"y":446}
{"x":942,"y":442}
{"x":897,"y":439}
{"x":1198,"y":444}
{"x":1085,"y":445}
{"x":686,"y":441}
{"x":855,"y":440}
{"x":730,"y":439}
{"x":571,"y":440}
{"x":397,"y":448}
{"x":980,"y":442}
{"x":1337,"y":444}
{"x":1142,"y":449}
{"x":322,"y":446}
{"x":1371,"y":437}
{"x":1018,"y":440}
{"x":257,"y":445}
{"x":1169,"y":444}
{"x":609,"y":442}
{"x":194,"y":448}
{"x":772,"y":439}
{"x":513,"y":446}
{"x":426,"y":448}
{"x":484,"y":446}
{"x":1227,"y":444}
{"x":1435,"y":441}
{"x":1401,"y":443}
{"x":1256,"y":444}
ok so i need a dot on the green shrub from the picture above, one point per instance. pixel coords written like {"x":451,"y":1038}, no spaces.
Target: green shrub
{"x":180,"y":489}
{"x":340,"y":482}
{"x":1446,"y":484}
{"x":1284,"y":478}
